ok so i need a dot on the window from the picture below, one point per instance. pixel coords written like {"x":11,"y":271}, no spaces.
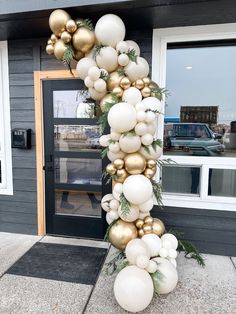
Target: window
{"x":5,"y":134}
{"x":197,"y":65}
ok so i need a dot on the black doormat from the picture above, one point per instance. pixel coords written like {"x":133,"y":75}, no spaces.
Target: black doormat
{"x":70,"y":263}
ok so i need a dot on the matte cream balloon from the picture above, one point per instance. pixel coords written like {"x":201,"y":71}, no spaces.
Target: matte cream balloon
{"x":130,"y":216}
{"x":140,"y":128}
{"x":57,"y":21}
{"x":104,"y":140}
{"x":130,"y":143}
{"x":105,"y":202}
{"x":94,"y":73}
{"x":137,"y":70}
{"x":114,"y":204}
{"x":142,"y":261}
{"x":152,"y":103}
{"x":151,"y":267}
{"x":153,"y":242}
{"x":135,"y":248}
{"x":137,"y":189}
{"x":122,"y":46}
{"x":118,"y":188}
{"x":147,"y":139}
{"x":113,"y":156}
{"x":83,"y":66}
{"x":147,"y":206}
{"x":110,"y":30}
{"x":172,"y":239}
{"x":95,"y":94}
{"x":133,"y":45}
{"x":151,"y":153}
{"x":83,"y":39}
{"x":123,"y":59}
{"x":132,"y":96}
{"x":122,"y":117}
{"x":100,"y":85}
{"x":107,"y":58}
{"x":88,"y":82}
{"x":114,"y":147}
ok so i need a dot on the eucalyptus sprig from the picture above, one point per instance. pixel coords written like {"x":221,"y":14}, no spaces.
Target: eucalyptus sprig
{"x":157,"y":189}
{"x":97,"y":50}
{"x":102,"y":121}
{"x":156,"y":143}
{"x":159,"y":92}
{"x":121,"y":72}
{"x":157,"y":277}
{"x":116,"y":264}
{"x":165,"y":162}
{"x":106,"y":177}
{"x":68,"y":57}
{"x":132,"y":55}
{"x":105,"y":76}
{"x":125,"y":205}
{"x":129,"y":133}
{"x":87,"y":23}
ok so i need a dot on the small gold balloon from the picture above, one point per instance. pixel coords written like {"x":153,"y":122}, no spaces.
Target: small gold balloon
{"x":110,"y":169}
{"x":118,"y":163}
{"x":59,"y":49}
{"x":79,"y":22}
{"x":50,"y":42}
{"x":109,"y":98}
{"x":139,"y":223}
{"x":146,"y":81}
{"x":121,"y":232}
{"x":78,"y":55}
{"x":58,"y":20}
{"x":121,"y":175}
{"x":153,"y":85}
{"x":151,"y":163}
{"x":50,"y":49}
{"x":53,"y":38}
{"x":146,"y":92}
{"x":148,"y":220}
{"x":158,"y":227}
{"x":66,"y":37}
{"x":71,"y":26}
{"x":147,"y":228}
{"x":135,"y":163}
{"x":114,"y":80}
{"x":118,"y":91}
{"x":125,"y":83}
{"x":83,"y":39}
{"x":139,"y":84}
{"x":149,"y":173}
{"x":141,"y":233}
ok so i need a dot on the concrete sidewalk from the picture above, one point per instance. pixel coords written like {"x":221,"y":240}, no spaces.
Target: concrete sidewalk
{"x":200,"y":290}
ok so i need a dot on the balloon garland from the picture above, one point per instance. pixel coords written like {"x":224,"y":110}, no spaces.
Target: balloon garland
{"x":117,"y":78}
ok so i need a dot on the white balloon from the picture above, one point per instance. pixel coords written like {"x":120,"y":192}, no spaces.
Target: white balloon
{"x":109,"y":219}
{"x":122,"y":117}
{"x":115,"y":136}
{"x":88,"y":82}
{"x":141,"y":116}
{"x":118,"y":188}
{"x":105,"y":202}
{"x":147,"y":139}
{"x":104,"y":140}
{"x":113,"y":215}
{"x":170,"y":275}
{"x":153,"y":242}
{"x":142,"y":261}
{"x":147,"y":206}
{"x":152,"y":103}
{"x":107,"y":59}
{"x":137,"y":70}
{"x":123,"y":59}
{"x":113,"y":156}
{"x":151,"y":267}
{"x":171,"y":238}
{"x":133,"y":45}
{"x":110,"y":30}
{"x":96,"y":95}
{"x":163,"y":252}
{"x":116,"y":195}
{"x":150,"y":116}
{"x":114,"y":147}
{"x":151,"y":128}
{"x":140,"y":106}
{"x":94,"y":73}
{"x":167,"y":244}
{"x":172,"y":253}
{"x":134,"y":248}
{"x":114,"y":204}
{"x":140,"y":128}
{"x":132,"y":95}
{"x":130,"y":143}
{"x":122,"y":46}
{"x":137,"y":189}
{"x":131,"y":216}
{"x":83,"y":66}
{"x":143,"y":215}
{"x":133,"y":289}
{"x":100,"y":85}
{"x":173,"y":261}
{"x":91,"y":53}
{"x":151,"y":153}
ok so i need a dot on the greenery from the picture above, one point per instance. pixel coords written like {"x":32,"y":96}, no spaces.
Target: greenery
{"x":157,"y":192}
{"x":116,"y":264}
{"x":132,"y":55}
{"x":107,"y":178}
{"x":156,"y":278}
{"x":156,"y":143}
{"x":97,"y":50}
{"x":121,"y":72}
{"x":68,"y":57}
{"x":164,"y":162}
{"x":159,"y":92}
{"x":87,"y":23}
{"x":125,"y":205}
{"x":104,"y":76}
{"x":102,"y":121}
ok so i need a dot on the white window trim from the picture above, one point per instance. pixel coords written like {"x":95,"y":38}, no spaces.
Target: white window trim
{"x":6,"y":186}
{"x":161,"y":37}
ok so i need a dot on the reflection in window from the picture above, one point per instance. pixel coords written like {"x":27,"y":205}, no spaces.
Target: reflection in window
{"x":222,"y":182}
{"x":181,"y":180}
{"x":200,"y":113}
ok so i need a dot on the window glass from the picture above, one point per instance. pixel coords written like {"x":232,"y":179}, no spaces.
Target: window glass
{"x":222,"y":182}
{"x":200,"y":112}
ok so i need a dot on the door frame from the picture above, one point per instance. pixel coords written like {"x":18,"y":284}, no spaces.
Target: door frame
{"x":39,"y":77}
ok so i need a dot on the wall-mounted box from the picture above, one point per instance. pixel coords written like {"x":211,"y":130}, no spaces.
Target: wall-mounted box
{"x":21,"y":138}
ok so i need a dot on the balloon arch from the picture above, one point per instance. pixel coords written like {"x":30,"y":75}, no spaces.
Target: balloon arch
{"x":117,"y":78}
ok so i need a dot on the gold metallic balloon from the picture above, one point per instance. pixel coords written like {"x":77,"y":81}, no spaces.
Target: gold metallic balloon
{"x":71,"y":26}
{"x":147,"y":228}
{"x":114,"y":80}
{"x":121,"y":233}
{"x":106,"y":99}
{"x":83,"y":39}
{"x":139,"y":84}
{"x":50,"y":42}
{"x":135,"y":163}
{"x":125,"y":83}
{"x":110,"y":169}
{"x":141,"y":233}
{"x":118,"y":91}
{"x":149,"y":173}
{"x":153,"y":85}
{"x":121,"y":175}
{"x":59,"y":49}
{"x":66,"y":37}
{"x":148,"y":220}
{"x":146,"y":92}
{"x":79,"y":22}
{"x":53,"y":38}
{"x":158,"y":227}
{"x":139,"y":223}
{"x":146,"y":81}
{"x":50,"y":49}
{"x":118,"y":163}
{"x":58,"y":20}
{"x":151,"y":163}
{"x":78,"y":55}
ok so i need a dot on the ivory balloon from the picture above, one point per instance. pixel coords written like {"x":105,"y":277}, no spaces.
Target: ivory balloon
{"x":130,"y":143}
{"x":173,"y":261}
{"x":140,"y":128}
{"x":114,"y":204}
{"x":105,"y":202}
{"x":116,"y":195}
{"x":94,"y":73}
{"x":122,"y":46}
{"x":88,"y":82}
{"x":133,"y":45}
{"x":133,"y":289}
{"x":109,"y":219}
{"x":151,"y":267}
{"x":150,"y":116}
{"x":147,"y":139}
{"x":153,"y":242}
{"x":113,"y":156}
{"x":110,"y":30}
{"x":135,"y":248}
{"x":122,"y":117}
{"x":83,"y":66}
{"x":152,"y":103}
{"x":107,"y":59}
{"x":100,"y":85}
{"x":135,"y":163}
{"x":112,"y":215}
{"x":141,"y":116}
{"x":83,"y":39}
{"x":118,"y":188}
{"x":114,"y":147}
{"x":172,"y":239}
{"x":123,"y":59}
{"x":172,"y":253}
{"x":57,"y":21}
{"x":142,"y":215}
{"x":131,"y":216}
{"x":137,"y":189}
{"x":132,"y":96}
{"x":151,"y":128}
{"x":142,"y":261}
{"x":115,"y":136}
{"x":137,"y":70}
{"x":147,"y":206}
{"x":151,"y":153}
{"x":163,"y":252}
{"x":104,"y":140}
{"x":95,"y":94}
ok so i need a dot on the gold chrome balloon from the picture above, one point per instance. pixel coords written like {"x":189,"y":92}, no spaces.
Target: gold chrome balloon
{"x":141,"y":233}
{"x":66,"y":37}
{"x":59,"y":49}
{"x":114,"y":80}
{"x":50,"y":49}
{"x":50,"y":42}
{"x":158,"y":227}
{"x":135,"y":163}
{"x":149,"y":173}
{"x":125,"y":83}
{"x":148,"y":220}
{"x":79,"y":22}
{"x":58,"y":20}
{"x":139,"y":84}
{"x":146,"y":92}
{"x":106,"y":99}
{"x":121,"y":233}
{"x":110,"y":169}
{"x":118,"y":91}
{"x":151,"y":163}
{"x":118,"y":163}
{"x":71,"y":26}
{"x":121,"y":175}
{"x":146,"y":81}
{"x":83,"y":39}
{"x":147,"y":228}
{"x":139,"y":223}
{"x":78,"y":55}
{"x":53,"y":38}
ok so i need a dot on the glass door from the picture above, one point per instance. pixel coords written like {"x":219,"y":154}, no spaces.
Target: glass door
{"x":73,"y":165}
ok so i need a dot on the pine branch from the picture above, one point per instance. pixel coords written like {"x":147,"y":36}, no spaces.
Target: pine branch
{"x":104,"y":152}
{"x":103,"y":122}
{"x":97,"y":50}
{"x":87,"y":23}
{"x":132,"y":55}
{"x":106,"y":177}
{"x":146,"y":148}
{"x":159,"y":92}
{"x":125,"y":205}
{"x":156,"y":143}
{"x":164,"y":162}
{"x":154,"y":111}
{"x":121,"y":72}
{"x":68,"y":57}
{"x":129,"y":133}
{"x":116,"y":264}
{"x":156,"y":187}
{"x":104,"y":76}
{"x":157,"y":277}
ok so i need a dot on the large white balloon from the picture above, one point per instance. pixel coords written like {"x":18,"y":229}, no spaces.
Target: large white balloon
{"x":130,"y":143}
{"x":153,"y":242}
{"x":113,"y":156}
{"x":152,"y":103}
{"x":83,"y":66}
{"x":122,"y":117}
{"x":133,"y":289}
{"x":134,"y":248}
{"x":137,"y":189}
{"x":132,"y":95}
{"x":118,"y":188}
{"x":170,"y":237}
{"x":170,"y":275}
{"x":133,"y":45}
{"x":109,"y":30}
{"x":151,"y":153}
{"x":137,"y":70}
{"x":107,"y":58}
{"x":131,"y":216}
{"x":147,"y":206}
